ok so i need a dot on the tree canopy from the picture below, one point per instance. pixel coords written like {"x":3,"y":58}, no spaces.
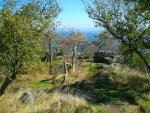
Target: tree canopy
{"x":22,"y":28}
{"x":126,"y":21}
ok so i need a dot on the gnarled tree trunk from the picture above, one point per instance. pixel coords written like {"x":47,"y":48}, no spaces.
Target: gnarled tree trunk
{"x":142,"y":57}
{"x":8,"y":80}
{"x":6,"y":83}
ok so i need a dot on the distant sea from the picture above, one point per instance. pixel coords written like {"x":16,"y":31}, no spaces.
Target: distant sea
{"x":91,"y":35}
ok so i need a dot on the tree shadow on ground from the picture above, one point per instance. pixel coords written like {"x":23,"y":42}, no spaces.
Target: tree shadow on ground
{"x":101,"y":89}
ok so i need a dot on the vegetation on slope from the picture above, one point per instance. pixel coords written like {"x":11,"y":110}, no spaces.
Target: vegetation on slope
{"x":95,"y":90}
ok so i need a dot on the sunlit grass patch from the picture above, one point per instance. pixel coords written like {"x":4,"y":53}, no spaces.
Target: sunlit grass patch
{"x":145,"y":102}
{"x":55,"y":102}
{"x":146,"y":106}
{"x":100,"y":109}
{"x":91,"y":68}
{"x":39,"y":84}
{"x":127,"y":75}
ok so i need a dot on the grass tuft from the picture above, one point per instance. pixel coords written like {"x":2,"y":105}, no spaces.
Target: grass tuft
{"x":46,"y":103}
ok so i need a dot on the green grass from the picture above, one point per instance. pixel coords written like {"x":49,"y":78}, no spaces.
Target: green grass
{"x":92,"y":69}
{"x":145,"y":103}
{"x":55,"y":61}
{"x":119,"y":89}
{"x":146,"y":106}
{"x":102,"y":110}
{"x":116,"y":87}
{"x":55,"y":102}
{"x":99,"y":109}
{"x":39,"y":84}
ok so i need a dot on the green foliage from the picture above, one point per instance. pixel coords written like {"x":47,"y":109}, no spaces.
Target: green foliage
{"x":22,"y":31}
{"x":136,"y":61}
{"x":77,"y":36}
{"x":123,"y":22}
{"x":133,"y":59}
{"x":143,"y":5}
{"x":104,"y":40}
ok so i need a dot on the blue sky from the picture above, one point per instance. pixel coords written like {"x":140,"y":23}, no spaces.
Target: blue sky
{"x":74,"y":16}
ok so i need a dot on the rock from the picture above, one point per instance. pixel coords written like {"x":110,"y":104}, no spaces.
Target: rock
{"x":83,"y":56}
{"x":115,"y":64}
{"x":107,"y":57}
{"x":100,"y":59}
{"x":86,"y":60}
{"x":28,"y":97}
{"x":118,"y":59}
{"x":106,"y":66}
{"x":83,"y":60}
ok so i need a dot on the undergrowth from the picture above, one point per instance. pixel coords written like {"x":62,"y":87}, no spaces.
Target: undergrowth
{"x":55,"y":102}
{"x":114,"y":90}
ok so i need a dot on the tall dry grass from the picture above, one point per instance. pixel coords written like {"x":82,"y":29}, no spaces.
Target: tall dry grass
{"x":56,"y":102}
{"x":127,"y":75}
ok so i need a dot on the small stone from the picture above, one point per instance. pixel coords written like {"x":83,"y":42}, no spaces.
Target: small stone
{"x":28,"y":97}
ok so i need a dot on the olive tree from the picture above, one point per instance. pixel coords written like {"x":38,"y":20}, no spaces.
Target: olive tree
{"x":71,"y":43}
{"x":22,"y":29}
{"x":103,"y":40}
{"x":126,"y":21}
{"x":77,"y":38}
